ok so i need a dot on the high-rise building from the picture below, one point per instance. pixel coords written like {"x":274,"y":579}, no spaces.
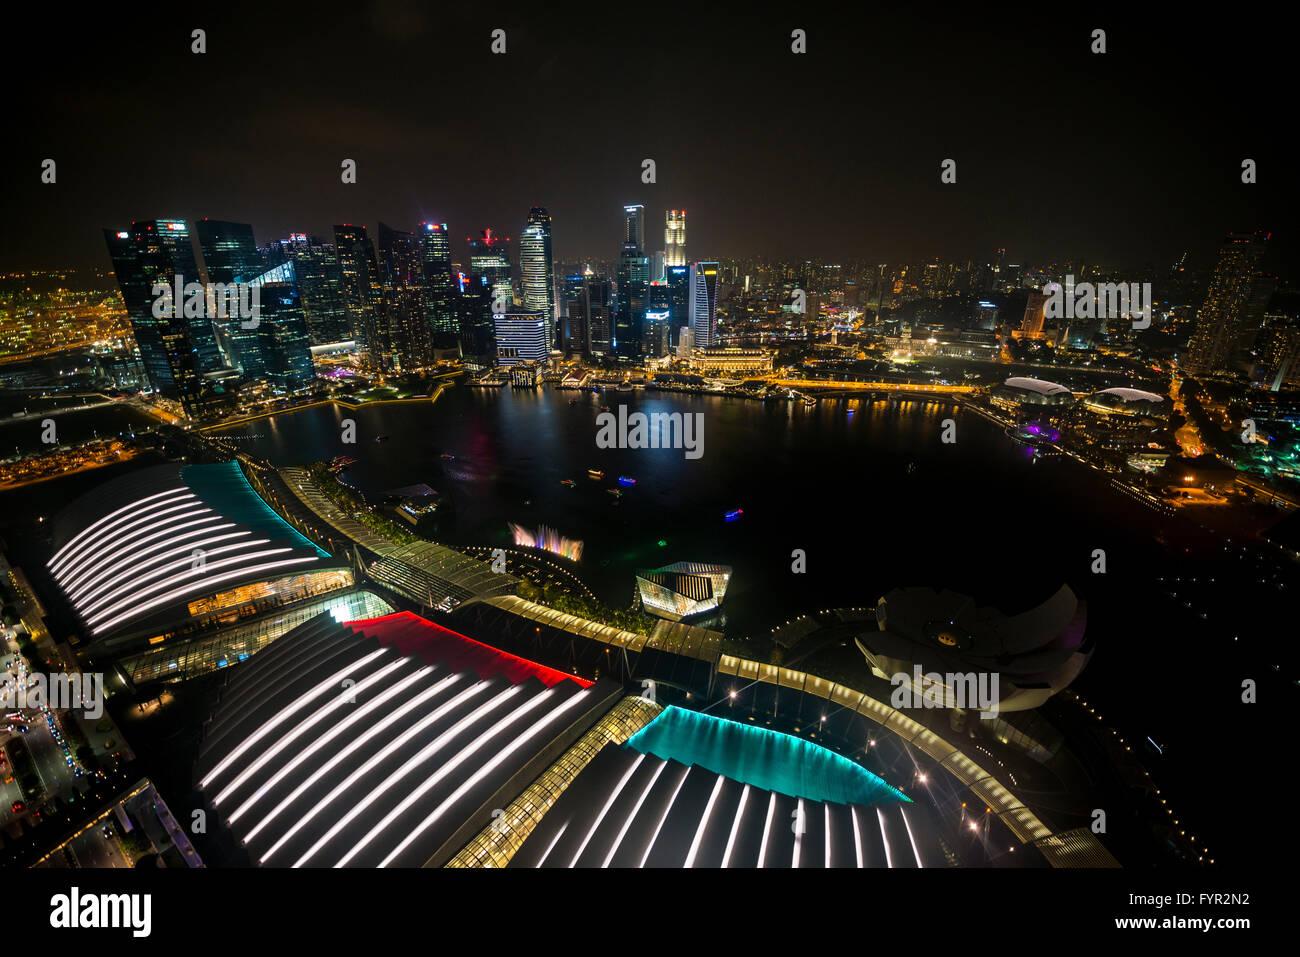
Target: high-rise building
{"x":678,"y":279}
{"x":490,"y":288}
{"x":440,"y":294}
{"x":230,"y":255}
{"x":1221,"y":323}
{"x":321,"y":286}
{"x":1031,"y":324}
{"x":587,"y":310}
{"x":175,"y":348}
{"x":675,"y":238}
{"x":658,"y":319}
{"x":537,"y":269}
{"x":489,"y":266}
{"x":229,"y":252}
{"x":284,"y":339}
{"x":634,"y":227}
{"x":403,"y":297}
{"x":633,"y":280}
{"x":356,"y":256}
{"x":703,"y":305}
{"x":520,"y":336}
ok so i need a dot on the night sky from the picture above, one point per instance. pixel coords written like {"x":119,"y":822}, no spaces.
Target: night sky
{"x":1128,"y":158}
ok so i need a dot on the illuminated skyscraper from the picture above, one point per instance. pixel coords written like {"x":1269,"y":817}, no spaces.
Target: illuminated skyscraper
{"x":176,"y":349}
{"x":440,"y":293}
{"x":320,"y":283}
{"x":402,"y":304}
{"x":521,"y":337}
{"x":633,"y":280}
{"x":703,"y":305}
{"x":1222,"y":320}
{"x":356,"y":257}
{"x":634,"y":227}
{"x":658,"y":319}
{"x":284,"y":340}
{"x":675,"y":239}
{"x":537,"y":269}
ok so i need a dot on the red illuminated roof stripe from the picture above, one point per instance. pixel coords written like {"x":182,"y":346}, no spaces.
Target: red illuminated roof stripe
{"x":409,"y":634}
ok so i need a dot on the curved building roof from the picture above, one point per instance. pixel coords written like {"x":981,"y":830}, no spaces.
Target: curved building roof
{"x":1041,"y":386}
{"x":333,"y":748}
{"x":766,"y":759}
{"x":1125,"y":394}
{"x":144,"y":545}
{"x":638,"y":805}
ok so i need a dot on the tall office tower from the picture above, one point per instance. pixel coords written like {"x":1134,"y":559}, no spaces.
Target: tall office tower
{"x":520,"y":336}
{"x":675,"y":238}
{"x":633,"y":281}
{"x":678,"y":279}
{"x":491,"y":287}
{"x":231,"y":256}
{"x":177,"y":349}
{"x":285,"y":342}
{"x":229,"y":253}
{"x":685,"y":342}
{"x":658,"y":319}
{"x":489,"y":266}
{"x":402,"y":282}
{"x":596,"y":311}
{"x":574,"y":339}
{"x":703,"y":305}
{"x":634,"y":227}
{"x":1031,"y":325}
{"x":440,"y":294}
{"x":537,"y":269}
{"x":356,"y":257}
{"x":320,"y":284}
{"x":1223,"y":318}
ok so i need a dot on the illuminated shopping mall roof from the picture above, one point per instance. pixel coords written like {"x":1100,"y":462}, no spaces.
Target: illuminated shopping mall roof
{"x":151,"y":541}
{"x":385,"y":742}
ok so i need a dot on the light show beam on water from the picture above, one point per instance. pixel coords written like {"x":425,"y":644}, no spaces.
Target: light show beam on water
{"x":547,"y":539}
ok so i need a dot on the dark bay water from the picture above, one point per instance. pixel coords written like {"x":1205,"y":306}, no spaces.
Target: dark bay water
{"x":874,"y":498}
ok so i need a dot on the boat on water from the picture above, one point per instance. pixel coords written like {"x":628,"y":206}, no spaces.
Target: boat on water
{"x":340,"y":462}
{"x":616,"y":492}
{"x":596,"y":473}
{"x":381,"y":438}
{"x":735,"y":514}
{"x":809,"y":402}
{"x":568,"y":483}
{"x":604,"y":408}
{"x":625,"y":480}
{"x":448,"y":456}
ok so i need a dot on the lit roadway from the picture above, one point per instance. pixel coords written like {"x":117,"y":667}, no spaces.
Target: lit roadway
{"x":870,"y":386}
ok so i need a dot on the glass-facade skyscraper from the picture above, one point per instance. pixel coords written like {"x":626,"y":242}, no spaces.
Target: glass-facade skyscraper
{"x":633,"y":280}
{"x":440,"y":294}
{"x":176,"y":350}
{"x":537,"y":268}
{"x":284,"y":340}
{"x":703,"y":305}
{"x":402,"y":314}
{"x":356,"y":258}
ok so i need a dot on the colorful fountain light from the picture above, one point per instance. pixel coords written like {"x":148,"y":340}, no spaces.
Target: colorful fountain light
{"x":547,"y":539}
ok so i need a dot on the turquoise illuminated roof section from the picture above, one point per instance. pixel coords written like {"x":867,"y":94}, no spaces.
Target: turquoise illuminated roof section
{"x":223,"y":487}
{"x":762,"y":758}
